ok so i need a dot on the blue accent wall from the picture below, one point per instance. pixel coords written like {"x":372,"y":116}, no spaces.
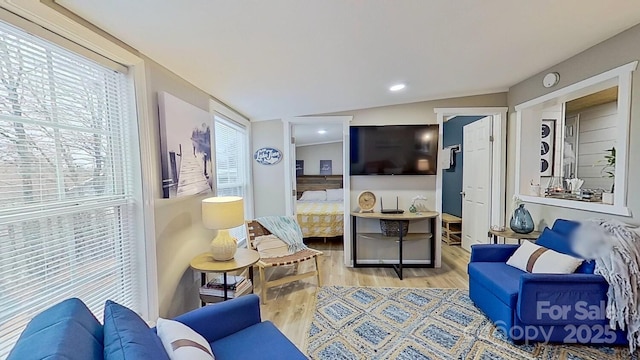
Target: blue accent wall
{"x":452,"y":178}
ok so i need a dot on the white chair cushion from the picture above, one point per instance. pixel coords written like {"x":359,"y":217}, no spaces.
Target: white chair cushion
{"x":270,"y":246}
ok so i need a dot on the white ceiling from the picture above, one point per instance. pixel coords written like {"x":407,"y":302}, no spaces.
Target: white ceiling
{"x":279,"y":58}
{"x":308,"y":134}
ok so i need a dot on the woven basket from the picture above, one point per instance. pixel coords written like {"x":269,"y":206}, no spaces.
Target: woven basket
{"x":391,"y":227}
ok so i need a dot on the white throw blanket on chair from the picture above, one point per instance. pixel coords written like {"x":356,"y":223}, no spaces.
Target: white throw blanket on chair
{"x":616,"y":249}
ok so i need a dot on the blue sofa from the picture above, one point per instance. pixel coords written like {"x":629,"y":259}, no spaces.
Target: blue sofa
{"x":542,"y":307}
{"x":70,"y":331}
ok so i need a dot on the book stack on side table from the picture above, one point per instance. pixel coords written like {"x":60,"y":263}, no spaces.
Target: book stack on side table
{"x":214,"y":290}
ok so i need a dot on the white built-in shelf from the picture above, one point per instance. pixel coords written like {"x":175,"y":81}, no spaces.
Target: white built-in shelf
{"x":408,"y":237}
{"x":580,"y":205}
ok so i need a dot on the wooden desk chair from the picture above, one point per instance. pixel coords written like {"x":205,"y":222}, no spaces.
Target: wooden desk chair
{"x":254,"y":229}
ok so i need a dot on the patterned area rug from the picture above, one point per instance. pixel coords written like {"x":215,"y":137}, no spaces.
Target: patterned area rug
{"x":404,"y":323}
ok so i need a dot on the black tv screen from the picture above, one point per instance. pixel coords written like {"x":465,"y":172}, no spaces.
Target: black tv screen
{"x":394,"y":150}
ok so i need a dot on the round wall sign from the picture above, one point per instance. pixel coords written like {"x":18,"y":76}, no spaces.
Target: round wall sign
{"x":268,"y":156}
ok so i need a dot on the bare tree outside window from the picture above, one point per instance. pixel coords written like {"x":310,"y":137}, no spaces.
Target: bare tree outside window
{"x":65,"y":193}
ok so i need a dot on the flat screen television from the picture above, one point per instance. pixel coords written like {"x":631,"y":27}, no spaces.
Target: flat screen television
{"x":394,"y":150}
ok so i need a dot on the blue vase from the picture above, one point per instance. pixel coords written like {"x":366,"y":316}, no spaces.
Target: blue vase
{"x":521,"y":221}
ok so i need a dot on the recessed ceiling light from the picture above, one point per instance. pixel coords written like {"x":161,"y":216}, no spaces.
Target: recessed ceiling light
{"x":397,"y":87}
{"x":322,"y":132}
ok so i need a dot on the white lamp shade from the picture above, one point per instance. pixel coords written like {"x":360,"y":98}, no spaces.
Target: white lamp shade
{"x":223,"y":212}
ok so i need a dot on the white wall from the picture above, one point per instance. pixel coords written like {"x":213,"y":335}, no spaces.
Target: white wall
{"x":180,"y":235}
{"x":312,"y":154}
{"x":408,"y":114}
{"x":597,"y":134}
{"x":616,"y":51}
{"x":271,"y":183}
{"x":268,"y":180}
{"x":388,"y":187}
{"x":406,"y":186}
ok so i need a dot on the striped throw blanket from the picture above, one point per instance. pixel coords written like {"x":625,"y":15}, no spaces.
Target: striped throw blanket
{"x":286,"y":229}
{"x":616,"y":248}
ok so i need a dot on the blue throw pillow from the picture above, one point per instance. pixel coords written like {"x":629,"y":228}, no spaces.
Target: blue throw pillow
{"x":565,"y":227}
{"x":555,"y":241}
{"x":127,"y":336}
{"x":587,"y":267}
{"x":67,"y":330}
{"x":562,"y":244}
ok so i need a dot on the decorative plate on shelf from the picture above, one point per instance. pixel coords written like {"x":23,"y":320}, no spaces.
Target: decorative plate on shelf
{"x":366,"y":201}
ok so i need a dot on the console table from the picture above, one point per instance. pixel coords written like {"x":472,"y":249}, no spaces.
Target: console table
{"x":510,"y":234}
{"x":432,"y":215}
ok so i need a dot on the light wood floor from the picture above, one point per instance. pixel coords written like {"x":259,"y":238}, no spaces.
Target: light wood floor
{"x":291,"y":306}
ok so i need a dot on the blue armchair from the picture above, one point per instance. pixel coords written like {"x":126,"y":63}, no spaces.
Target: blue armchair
{"x":235,"y":330}
{"x":542,"y":307}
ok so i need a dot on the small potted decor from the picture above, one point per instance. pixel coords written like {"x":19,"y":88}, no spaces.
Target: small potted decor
{"x":415,"y":205}
{"x":521,"y":220}
{"x":609,"y":170}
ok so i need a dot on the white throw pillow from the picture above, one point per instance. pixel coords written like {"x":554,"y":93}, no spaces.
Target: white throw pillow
{"x":335,"y":194}
{"x":536,"y":259}
{"x":312,"y":195}
{"x":181,"y":342}
{"x":270,"y":246}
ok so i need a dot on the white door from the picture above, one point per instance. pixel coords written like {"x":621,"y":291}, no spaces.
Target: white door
{"x":476,"y":182}
{"x":293,"y":198}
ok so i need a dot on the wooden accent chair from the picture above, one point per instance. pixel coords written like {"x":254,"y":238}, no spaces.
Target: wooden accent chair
{"x":254,"y":229}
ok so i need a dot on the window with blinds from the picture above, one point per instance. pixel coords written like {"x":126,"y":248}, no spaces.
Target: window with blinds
{"x":67,"y":224}
{"x":231,"y":163}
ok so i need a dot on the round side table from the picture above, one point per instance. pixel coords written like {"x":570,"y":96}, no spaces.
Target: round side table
{"x":244,"y":258}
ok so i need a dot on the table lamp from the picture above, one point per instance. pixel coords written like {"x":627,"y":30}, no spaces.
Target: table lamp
{"x":223,"y":213}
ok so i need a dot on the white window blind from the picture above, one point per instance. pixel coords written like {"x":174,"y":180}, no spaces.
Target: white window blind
{"x":67,"y":224}
{"x":231,"y":163}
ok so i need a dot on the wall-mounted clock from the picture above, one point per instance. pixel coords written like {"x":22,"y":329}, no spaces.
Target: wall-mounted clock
{"x":366,"y":201}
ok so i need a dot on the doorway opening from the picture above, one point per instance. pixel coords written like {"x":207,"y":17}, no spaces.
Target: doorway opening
{"x":318,"y":180}
{"x":471,"y":173}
